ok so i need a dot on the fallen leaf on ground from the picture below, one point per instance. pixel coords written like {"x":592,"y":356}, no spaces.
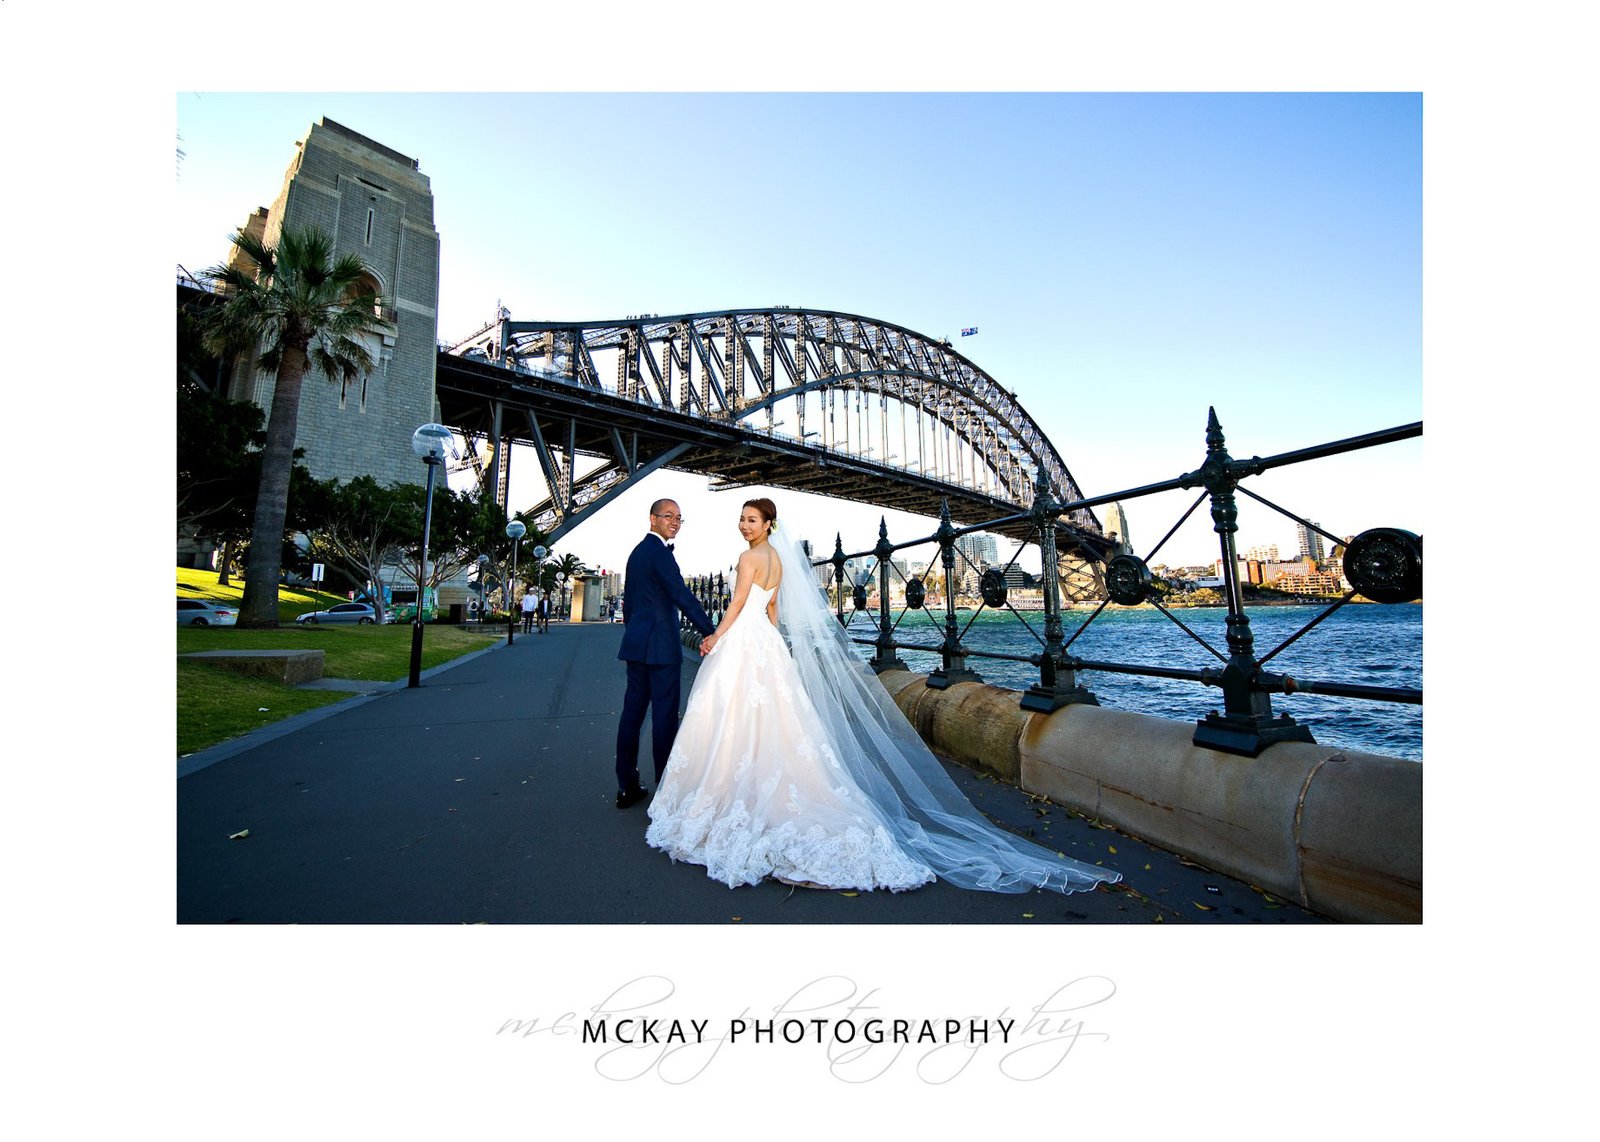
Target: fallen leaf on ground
{"x":239,"y":836}
{"x":1202,"y":907}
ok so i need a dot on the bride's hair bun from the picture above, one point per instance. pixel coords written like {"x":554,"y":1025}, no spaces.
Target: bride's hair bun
{"x":768,"y":510}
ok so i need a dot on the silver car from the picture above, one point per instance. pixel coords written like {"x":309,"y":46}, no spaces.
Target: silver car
{"x":207,"y":613}
{"x":343,"y":613}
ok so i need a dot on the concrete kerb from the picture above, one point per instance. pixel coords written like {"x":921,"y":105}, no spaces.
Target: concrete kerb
{"x":233,"y":747}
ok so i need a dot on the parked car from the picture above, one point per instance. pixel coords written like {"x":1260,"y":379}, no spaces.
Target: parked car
{"x":343,"y":613}
{"x":207,"y":613}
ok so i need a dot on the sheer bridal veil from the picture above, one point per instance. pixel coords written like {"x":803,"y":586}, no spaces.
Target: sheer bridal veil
{"x":875,"y":743}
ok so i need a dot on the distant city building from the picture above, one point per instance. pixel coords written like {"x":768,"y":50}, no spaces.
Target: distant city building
{"x":1305,"y":581}
{"x":1310,"y":542}
{"x":824,"y":571}
{"x":979,"y":548}
{"x":1263,"y":553}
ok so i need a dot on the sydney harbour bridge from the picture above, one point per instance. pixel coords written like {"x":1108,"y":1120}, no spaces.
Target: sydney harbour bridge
{"x":808,"y":400}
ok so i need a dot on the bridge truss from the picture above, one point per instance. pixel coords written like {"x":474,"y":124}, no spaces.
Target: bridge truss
{"x":814,"y":401}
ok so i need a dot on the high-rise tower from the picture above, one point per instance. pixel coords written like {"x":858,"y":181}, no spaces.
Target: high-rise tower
{"x":1310,"y":542}
{"x":373,"y":202}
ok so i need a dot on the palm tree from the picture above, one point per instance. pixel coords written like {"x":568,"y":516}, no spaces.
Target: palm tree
{"x":569,"y":565}
{"x":301,"y":308}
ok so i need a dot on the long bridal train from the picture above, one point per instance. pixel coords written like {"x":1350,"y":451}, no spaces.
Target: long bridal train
{"x":793,"y":762}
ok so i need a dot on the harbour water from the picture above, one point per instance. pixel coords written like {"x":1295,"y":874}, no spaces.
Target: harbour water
{"x":1370,"y":644}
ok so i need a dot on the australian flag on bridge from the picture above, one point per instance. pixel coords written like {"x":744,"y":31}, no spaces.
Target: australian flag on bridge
{"x":969,"y":332}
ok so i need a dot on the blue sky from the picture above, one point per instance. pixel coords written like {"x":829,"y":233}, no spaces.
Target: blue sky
{"x":1129,"y":259}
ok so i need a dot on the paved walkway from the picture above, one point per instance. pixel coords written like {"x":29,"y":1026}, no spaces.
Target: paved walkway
{"x":486,"y":795}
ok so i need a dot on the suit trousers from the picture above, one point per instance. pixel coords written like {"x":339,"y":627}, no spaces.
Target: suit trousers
{"x":656,"y":688}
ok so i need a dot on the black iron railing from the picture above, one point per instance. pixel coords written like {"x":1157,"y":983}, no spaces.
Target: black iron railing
{"x":1382,"y":564}
{"x":715,"y":594}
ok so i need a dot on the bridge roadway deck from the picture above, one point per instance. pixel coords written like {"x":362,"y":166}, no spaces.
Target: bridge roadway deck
{"x":486,"y":795}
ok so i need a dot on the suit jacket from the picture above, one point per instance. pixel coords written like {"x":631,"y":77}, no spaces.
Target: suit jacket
{"x":653,"y":594}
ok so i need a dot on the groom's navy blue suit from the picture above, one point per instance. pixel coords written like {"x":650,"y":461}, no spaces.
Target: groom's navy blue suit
{"x":653,"y":594}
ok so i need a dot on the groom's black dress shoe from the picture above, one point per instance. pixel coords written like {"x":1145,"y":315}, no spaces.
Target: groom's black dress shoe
{"x":627,"y":797}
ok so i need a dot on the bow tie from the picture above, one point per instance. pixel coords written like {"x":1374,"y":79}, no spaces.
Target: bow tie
{"x":670,"y":547}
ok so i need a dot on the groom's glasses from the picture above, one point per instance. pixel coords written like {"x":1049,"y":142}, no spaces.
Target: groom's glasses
{"x":669,"y":518}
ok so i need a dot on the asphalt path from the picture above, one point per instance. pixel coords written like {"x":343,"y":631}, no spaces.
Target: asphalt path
{"x":487,"y":795}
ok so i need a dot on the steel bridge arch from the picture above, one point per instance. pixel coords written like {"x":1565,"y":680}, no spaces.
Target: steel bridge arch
{"x":712,"y":374}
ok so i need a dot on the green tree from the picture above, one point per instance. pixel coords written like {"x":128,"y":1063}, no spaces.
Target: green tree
{"x":219,"y":457}
{"x":568,"y":565}
{"x":465,"y":526}
{"x":362,"y":528}
{"x":217,"y":475}
{"x":302,"y":309}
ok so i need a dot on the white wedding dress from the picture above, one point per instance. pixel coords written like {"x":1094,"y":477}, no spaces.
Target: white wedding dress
{"x":752,"y":791}
{"x":793,"y":762}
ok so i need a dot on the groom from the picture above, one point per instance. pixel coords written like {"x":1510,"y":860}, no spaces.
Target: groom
{"x":653,"y":594}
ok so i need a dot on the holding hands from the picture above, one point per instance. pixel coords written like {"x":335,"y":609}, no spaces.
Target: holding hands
{"x":708,"y":644}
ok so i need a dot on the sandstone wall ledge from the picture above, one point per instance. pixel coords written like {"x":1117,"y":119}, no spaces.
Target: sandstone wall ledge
{"x":1339,"y":831}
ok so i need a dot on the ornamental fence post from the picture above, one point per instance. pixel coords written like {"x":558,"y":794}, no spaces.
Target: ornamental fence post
{"x":1246,"y":726}
{"x":884,"y":658}
{"x":1058,"y":683}
{"x":954,"y":667}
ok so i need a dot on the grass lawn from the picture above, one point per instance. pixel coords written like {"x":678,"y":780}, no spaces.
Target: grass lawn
{"x":203,"y":585}
{"x":215,"y":704}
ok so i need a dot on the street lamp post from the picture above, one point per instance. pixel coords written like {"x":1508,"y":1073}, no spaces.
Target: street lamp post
{"x":430,"y":442}
{"x":539,"y":553}
{"x":515,"y":530}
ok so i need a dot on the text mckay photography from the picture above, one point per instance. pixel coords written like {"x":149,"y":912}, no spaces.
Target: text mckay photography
{"x":851,"y":1032}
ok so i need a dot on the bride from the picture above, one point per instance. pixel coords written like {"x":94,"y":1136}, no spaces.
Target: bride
{"x":792,"y":761}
